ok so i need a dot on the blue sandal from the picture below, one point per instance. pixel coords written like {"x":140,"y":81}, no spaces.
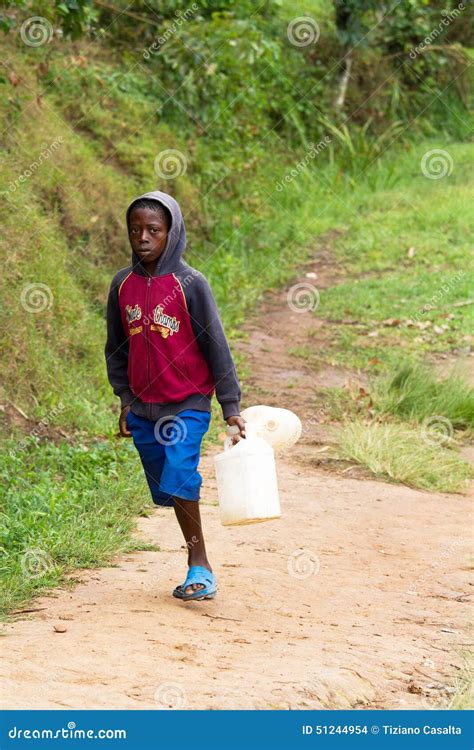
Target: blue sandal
{"x":197,"y":574}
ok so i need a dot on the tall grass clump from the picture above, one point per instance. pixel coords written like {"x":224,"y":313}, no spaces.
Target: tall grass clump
{"x":412,"y":392}
{"x":402,"y":454}
{"x":463,"y":698}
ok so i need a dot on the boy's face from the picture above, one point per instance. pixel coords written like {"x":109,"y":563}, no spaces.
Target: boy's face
{"x":147,"y":233}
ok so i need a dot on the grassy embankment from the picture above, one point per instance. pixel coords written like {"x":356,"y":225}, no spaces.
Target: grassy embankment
{"x":63,"y":228}
{"x":64,"y":234}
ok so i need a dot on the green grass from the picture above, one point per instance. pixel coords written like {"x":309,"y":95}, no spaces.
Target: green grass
{"x":73,"y":505}
{"x":463,"y":698}
{"x":402,"y":454}
{"x":411,"y":392}
{"x":64,"y":228}
{"x":74,"y":205}
{"x":401,"y":423}
{"x":244,"y":234}
{"x":303,"y":352}
{"x":404,"y":253}
{"x":65,"y":507}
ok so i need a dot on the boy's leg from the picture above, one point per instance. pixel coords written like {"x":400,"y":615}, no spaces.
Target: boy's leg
{"x":182,"y":480}
{"x":189,"y":519}
{"x":152,"y":454}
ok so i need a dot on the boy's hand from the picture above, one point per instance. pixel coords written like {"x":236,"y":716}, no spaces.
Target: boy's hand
{"x":123,"y":422}
{"x":238,"y":422}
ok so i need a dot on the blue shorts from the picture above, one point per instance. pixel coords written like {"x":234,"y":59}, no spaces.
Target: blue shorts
{"x":170,"y":450}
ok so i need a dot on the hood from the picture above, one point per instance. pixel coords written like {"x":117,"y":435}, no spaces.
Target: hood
{"x":171,"y":256}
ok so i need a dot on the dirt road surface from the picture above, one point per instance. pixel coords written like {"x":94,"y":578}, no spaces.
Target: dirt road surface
{"x":357,"y":597}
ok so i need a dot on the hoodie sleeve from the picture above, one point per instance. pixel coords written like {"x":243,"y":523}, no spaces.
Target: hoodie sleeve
{"x":209,"y":333}
{"x":116,"y":347}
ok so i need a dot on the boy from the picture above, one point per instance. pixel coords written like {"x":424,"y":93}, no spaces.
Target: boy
{"x":166,"y":354}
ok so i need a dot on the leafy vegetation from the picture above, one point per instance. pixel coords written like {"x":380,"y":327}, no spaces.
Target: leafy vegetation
{"x":194,"y":57}
{"x":88,"y":113}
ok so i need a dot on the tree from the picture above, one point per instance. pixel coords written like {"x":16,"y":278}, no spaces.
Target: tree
{"x":352,"y":28}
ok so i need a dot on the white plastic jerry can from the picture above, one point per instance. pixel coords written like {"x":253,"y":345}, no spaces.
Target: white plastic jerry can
{"x":247,"y":481}
{"x":281,"y":428}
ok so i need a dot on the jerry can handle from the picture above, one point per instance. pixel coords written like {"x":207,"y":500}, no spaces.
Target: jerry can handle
{"x":251,"y":430}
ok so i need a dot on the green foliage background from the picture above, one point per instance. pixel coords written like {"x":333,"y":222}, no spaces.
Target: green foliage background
{"x":85,"y":115}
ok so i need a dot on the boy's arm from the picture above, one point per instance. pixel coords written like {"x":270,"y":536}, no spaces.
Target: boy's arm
{"x":116,"y":347}
{"x":209,"y":333}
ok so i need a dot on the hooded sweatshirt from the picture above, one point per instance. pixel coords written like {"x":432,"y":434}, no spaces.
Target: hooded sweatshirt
{"x":166,"y":349}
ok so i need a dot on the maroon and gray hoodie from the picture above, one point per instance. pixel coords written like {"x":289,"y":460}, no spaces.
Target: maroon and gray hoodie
{"x":166,"y":350}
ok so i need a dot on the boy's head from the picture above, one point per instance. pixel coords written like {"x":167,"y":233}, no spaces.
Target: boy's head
{"x":148,"y":225}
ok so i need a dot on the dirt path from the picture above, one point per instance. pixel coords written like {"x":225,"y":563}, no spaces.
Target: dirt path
{"x":357,"y":597}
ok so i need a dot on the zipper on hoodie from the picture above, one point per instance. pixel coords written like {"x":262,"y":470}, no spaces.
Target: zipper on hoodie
{"x":148,"y":284}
